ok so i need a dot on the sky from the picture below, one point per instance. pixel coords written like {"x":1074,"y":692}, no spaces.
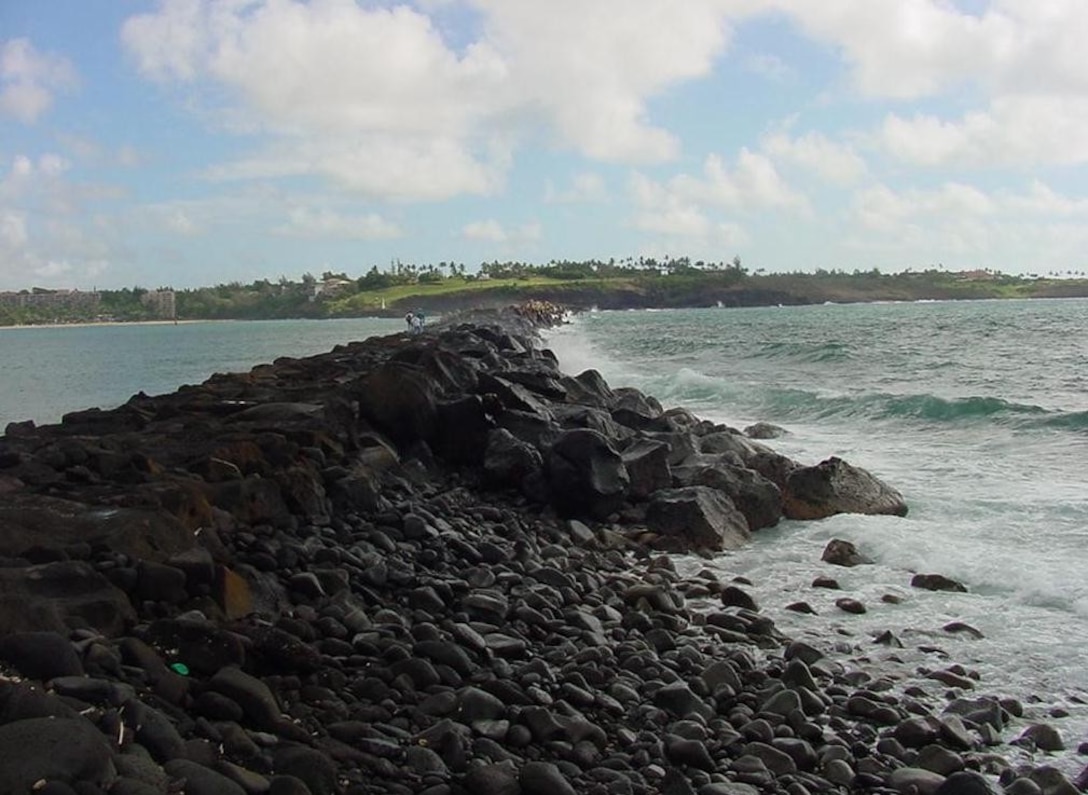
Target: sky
{"x":187,"y":143}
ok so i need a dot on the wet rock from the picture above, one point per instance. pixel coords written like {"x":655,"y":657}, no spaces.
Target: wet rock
{"x":544,"y":778}
{"x":801,"y":607}
{"x":936,"y":582}
{"x":849,"y":605}
{"x":679,"y":700}
{"x":966,"y":782}
{"x":910,"y":780}
{"x":764,"y":430}
{"x":756,"y":497}
{"x":1042,"y":736}
{"x":586,"y":474}
{"x":732,"y":596}
{"x":960,"y":628}
{"x":833,"y":486}
{"x":1051,"y":781}
{"x":697,"y":518}
{"x":647,"y":465}
{"x":508,"y":461}
{"x":939,"y":760}
{"x":843,"y":553}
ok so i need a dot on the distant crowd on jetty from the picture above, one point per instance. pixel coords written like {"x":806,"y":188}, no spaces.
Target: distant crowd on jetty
{"x":432,"y":564}
{"x":541,"y":313}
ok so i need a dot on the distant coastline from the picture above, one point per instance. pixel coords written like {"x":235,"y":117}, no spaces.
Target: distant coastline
{"x":91,"y":323}
{"x":645,"y":284}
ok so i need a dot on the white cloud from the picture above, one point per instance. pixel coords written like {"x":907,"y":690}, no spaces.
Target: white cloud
{"x":325,"y":224}
{"x":684,"y":207}
{"x":29,"y":79}
{"x":46,"y":234}
{"x":676,"y":219}
{"x":1036,"y":228}
{"x":1014,"y":130}
{"x":180,"y":223}
{"x":769,"y":66}
{"x":591,"y":67}
{"x":491,"y":231}
{"x":27,"y":178}
{"x":882,"y":208}
{"x":912,"y":48}
{"x":370,"y":98}
{"x":1019,"y":62}
{"x":12,"y":230}
{"x":837,"y":163}
{"x":681,"y":219}
{"x":585,"y":188}
{"x":753,"y":184}
{"x":1041,"y":199}
{"x":398,"y":169}
{"x":378,"y":100}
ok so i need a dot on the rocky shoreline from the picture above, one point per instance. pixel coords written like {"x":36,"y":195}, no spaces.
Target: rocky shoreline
{"x":437,"y":564}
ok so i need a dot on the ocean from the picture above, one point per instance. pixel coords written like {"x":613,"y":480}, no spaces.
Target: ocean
{"x":47,"y":371}
{"x":976,"y":411}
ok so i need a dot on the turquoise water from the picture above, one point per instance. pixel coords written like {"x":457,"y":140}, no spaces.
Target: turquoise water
{"x":976,"y":411}
{"x":46,"y":371}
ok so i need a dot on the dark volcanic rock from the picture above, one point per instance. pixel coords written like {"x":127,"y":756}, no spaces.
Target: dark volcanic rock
{"x":40,"y":655}
{"x":834,"y":486}
{"x":843,"y":553}
{"x":587,"y":474}
{"x":424,"y":564}
{"x":755,"y":496}
{"x":60,"y":596}
{"x":696,"y":517}
{"x":936,"y":582}
{"x":53,"y":749}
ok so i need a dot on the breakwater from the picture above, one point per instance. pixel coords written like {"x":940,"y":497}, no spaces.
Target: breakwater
{"x":432,"y":564}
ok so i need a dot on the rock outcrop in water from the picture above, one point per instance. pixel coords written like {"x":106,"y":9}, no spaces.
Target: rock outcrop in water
{"x":419,"y":565}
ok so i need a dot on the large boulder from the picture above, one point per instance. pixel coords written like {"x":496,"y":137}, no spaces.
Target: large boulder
{"x":508,"y":461}
{"x":253,"y":500}
{"x":586,"y":474}
{"x":588,"y":388}
{"x":66,"y":750}
{"x":647,"y":463}
{"x":464,"y":426}
{"x":401,"y":400}
{"x":843,"y":553}
{"x":30,"y":521}
{"x":59,"y":597}
{"x":633,"y":409}
{"x":834,"y":486}
{"x":754,"y":496}
{"x":696,"y":518}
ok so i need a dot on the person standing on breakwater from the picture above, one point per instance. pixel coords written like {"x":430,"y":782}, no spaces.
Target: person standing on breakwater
{"x":408,"y":319}
{"x":417,"y":324}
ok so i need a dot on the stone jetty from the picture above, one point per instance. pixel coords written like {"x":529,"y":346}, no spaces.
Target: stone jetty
{"x":434,"y":564}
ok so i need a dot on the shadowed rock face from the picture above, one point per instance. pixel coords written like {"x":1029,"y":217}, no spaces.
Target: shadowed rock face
{"x":409,"y":564}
